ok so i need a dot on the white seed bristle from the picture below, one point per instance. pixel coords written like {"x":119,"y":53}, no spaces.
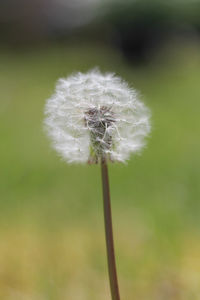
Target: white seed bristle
{"x":93,"y":115}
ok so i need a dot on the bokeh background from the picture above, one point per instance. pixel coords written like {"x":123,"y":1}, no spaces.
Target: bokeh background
{"x":52,"y":243}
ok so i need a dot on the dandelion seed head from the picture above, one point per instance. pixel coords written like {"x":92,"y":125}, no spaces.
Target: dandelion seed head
{"x":93,"y":116}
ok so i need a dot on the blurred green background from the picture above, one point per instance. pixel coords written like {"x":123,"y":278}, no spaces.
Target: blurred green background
{"x":51,"y":220}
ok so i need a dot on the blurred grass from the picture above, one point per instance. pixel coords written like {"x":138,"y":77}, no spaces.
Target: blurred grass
{"x":52,"y":237}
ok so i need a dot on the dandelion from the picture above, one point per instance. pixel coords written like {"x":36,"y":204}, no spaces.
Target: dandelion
{"x":96,"y":118}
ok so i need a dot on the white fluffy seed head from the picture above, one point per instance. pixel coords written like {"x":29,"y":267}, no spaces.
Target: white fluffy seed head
{"x":95,"y":116}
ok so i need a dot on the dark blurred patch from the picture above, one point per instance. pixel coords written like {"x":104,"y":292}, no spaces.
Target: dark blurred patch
{"x":137,"y":28}
{"x":141,"y":27}
{"x":28,"y":22}
{"x":22,"y":21}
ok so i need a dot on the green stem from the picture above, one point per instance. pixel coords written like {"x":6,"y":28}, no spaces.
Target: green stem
{"x":109,"y":233}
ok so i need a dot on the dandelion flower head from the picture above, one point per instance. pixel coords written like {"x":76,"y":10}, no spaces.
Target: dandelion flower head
{"x":95,"y":116}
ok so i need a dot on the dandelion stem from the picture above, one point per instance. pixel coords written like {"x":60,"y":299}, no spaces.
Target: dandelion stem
{"x":109,"y":232}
